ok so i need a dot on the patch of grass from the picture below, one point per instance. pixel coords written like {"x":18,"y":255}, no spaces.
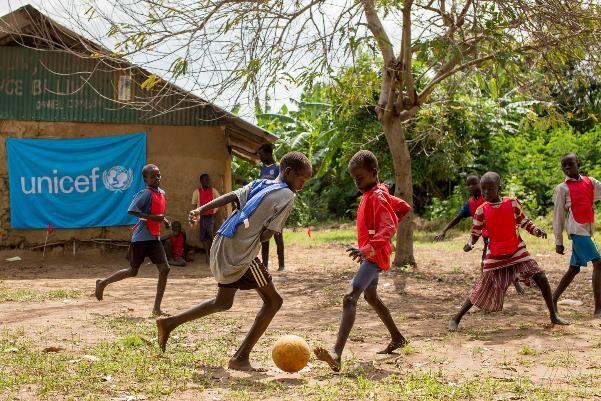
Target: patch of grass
{"x":477,"y":351}
{"x":527,"y":350}
{"x":31,"y":295}
{"x":409,"y":349}
{"x":564,"y":360}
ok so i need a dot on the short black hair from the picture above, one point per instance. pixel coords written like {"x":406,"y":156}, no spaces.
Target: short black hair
{"x":296,"y":161}
{"x":491,"y":176}
{"x":202,"y":176}
{"x":176,"y":222}
{"x":570,"y":155}
{"x":364,"y":159}
{"x":267,"y":147}
{"x":146,"y":169}
{"x":472,"y":176}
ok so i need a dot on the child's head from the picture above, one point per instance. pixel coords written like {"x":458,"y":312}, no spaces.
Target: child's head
{"x":205,"y":180}
{"x":570,"y":164}
{"x":473,"y":184}
{"x":176,"y":227}
{"x":265,"y":153}
{"x":490,"y":183}
{"x":295,"y":170}
{"x":151,"y":175}
{"x":363,"y":168}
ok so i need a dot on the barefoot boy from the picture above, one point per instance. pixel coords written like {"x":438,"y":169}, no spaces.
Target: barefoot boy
{"x":469,"y":208}
{"x":149,"y":206}
{"x":263,"y":207}
{"x":507,"y":259}
{"x":377,"y":219}
{"x":574,"y":200}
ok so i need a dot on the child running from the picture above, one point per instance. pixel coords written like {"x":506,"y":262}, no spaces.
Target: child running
{"x":573,"y":201}
{"x":149,"y":206}
{"x":262,"y":209}
{"x":469,"y":208}
{"x":507,"y":259}
{"x":377,"y":219}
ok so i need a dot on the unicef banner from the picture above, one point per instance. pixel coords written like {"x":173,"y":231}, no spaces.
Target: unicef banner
{"x":74,"y":183}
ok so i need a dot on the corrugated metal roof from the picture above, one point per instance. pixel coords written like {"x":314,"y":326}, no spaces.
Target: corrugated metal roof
{"x":57,"y":86}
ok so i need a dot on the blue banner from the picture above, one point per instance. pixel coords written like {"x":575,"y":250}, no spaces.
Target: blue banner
{"x":74,"y":183}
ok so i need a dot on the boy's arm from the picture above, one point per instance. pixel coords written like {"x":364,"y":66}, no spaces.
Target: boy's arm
{"x":476,"y":232}
{"x":276,"y":224}
{"x":463,"y":213}
{"x":223,"y":200}
{"x":166,"y":237}
{"x":195,"y":198}
{"x":524,"y":222}
{"x":385,"y":225}
{"x":145,"y":216}
{"x":142,"y":202}
{"x":597,"y":188}
{"x":559,"y":217}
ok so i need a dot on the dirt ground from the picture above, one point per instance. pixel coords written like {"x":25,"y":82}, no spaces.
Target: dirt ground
{"x":507,"y":346}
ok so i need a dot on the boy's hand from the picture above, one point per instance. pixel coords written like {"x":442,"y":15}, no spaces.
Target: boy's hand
{"x":166,"y":222}
{"x":468,"y":247}
{"x":440,"y":236}
{"x":356,"y":254}
{"x":194,"y":216}
{"x":539,"y":232}
{"x":559,"y":249}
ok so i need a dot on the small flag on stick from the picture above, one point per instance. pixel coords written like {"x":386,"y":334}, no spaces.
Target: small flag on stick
{"x":49,"y":231}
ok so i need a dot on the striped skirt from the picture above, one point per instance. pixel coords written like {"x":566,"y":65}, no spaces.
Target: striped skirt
{"x":489,"y":292}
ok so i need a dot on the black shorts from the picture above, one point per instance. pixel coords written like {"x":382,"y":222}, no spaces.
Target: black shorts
{"x":139,"y":250}
{"x":256,"y":276}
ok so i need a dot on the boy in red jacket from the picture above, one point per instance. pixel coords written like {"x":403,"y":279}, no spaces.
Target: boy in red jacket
{"x":377,"y":219}
{"x":507,"y":258}
{"x":574,"y":199}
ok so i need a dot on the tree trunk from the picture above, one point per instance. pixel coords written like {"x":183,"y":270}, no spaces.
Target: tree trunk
{"x":401,"y":160}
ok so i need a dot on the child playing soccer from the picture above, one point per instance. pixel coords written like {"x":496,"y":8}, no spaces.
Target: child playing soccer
{"x":149,"y":206}
{"x":269,"y":171}
{"x":377,"y":219}
{"x":262,"y":209}
{"x":507,"y":259}
{"x":573,"y":201}
{"x":469,"y":208}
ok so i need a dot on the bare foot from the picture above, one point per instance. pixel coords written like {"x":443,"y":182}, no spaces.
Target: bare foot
{"x":98,"y":293}
{"x":323,"y":355}
{"x":597,"y":313}
{"x":453,"y":325}
{"x":243,"y":365}
{"x":163,"y":333}
{"x":392,"y":346}
{"x":281,"y":269}
{"x":558,"y":320}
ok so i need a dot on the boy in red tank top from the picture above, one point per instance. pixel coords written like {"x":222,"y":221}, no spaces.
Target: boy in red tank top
{"x":574,"y":211}
{"x":149,"y":206}
{"x":507,"y":259}
{"x":377,"y":219}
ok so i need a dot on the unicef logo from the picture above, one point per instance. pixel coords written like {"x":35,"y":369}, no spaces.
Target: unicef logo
{"x":117,"y":178}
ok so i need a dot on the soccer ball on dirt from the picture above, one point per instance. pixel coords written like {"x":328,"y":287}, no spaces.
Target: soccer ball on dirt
{"x":290,"y":353}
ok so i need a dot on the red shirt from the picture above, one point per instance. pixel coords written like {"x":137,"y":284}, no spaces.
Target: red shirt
{"x":377,"y":220}
{"x":205,"y":195}
{"x":177,"y":245}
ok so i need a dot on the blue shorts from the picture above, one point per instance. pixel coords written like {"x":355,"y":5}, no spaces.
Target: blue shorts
{"x":367,"y":275}
{"x":583,"y":250}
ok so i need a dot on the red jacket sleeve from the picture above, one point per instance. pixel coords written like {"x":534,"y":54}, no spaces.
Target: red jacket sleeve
{"x":385,"y":222}
{"x":400,"y":207}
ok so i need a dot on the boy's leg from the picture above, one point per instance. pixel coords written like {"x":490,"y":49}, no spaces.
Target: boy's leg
{"x":265,"y":254}
{"x":161,"y":285}
{"x":597,"y":286}
{"x":564,"y":283}
{"x":272,"y":302}
{"x":541,"y":281}
{"x":454,"y":322}
{"x":222,"y":302}
{"x":135,"y":254}
{"x":397,"y":339}
{"x":279,"y":242}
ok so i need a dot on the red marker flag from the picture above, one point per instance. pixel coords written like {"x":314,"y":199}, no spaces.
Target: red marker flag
{"x":309,"y":231}
{"x":50,"y":228}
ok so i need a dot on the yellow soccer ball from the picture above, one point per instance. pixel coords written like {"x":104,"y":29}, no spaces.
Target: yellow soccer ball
{"x":290,"y":353}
